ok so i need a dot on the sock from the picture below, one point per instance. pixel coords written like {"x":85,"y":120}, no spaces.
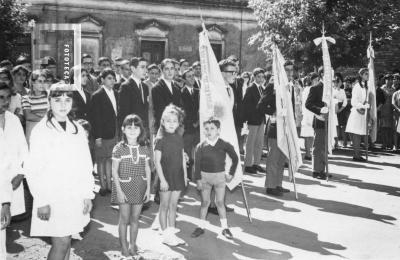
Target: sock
{"x":202,"y":224}
{"x":224,"y":223}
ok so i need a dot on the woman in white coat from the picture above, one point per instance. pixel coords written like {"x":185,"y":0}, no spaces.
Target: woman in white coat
{"x":59,"y":173}
{"x":356,"y":124}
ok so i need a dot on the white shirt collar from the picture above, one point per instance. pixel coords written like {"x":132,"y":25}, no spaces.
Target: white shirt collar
{"x":137,"y":81}
{"x":212,"y":143}
{"x":169,"y":84}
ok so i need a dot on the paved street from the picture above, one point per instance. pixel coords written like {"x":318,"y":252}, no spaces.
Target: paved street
{"x":353,"y":216}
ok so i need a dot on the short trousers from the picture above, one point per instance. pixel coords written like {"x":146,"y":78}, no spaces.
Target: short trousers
{"x":213,"y":179}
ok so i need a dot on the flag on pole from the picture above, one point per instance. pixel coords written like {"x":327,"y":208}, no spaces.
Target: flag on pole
{"x":287,"y":139}
{"x":215,"y":101}
{"x":371,"y":90}
{"x":327,"y":96}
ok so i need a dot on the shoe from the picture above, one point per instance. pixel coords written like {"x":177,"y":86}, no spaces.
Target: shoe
{"x":227,"y":233}
{"x":258,"y":168}
{"x":274,"y":192}
{"x":169,"y":238}
{"x":324,"y":176}
{"x":250,"y":169}
{"x":213,"y":210}
{"x":103,"y":192}
{"x":315,"y":175}
{"x":359,"y":159}
{"x":281,"y":189}
{"x":228,"y":209}
{"x":197,"y":232}
{"x":307,"y":158}
{"x":179,"y":240}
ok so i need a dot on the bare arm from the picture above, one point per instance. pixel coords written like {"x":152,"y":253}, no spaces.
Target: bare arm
{"x":184,"y":166}
{"x":157,"y":162}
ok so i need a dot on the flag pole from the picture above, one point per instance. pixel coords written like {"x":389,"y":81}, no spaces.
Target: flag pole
{"x":326,"y":125}
{"x":291,"y":173}
{"x":368,"y":110}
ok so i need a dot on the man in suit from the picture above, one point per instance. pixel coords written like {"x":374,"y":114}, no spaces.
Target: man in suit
{"x":103,"y":118}
{"x":256,"y":123}
{"x":133,"y":93}
{"x":153,"y":72}
{"x":124,"y":75}
{"x":91,"y":84}
{"x":197,"y":74}
{"x":190,"y":102}
{"x":276,"y":159}
{"x":165,"y":92}
{"x":315,"y":104}
{"x":81,"y":98}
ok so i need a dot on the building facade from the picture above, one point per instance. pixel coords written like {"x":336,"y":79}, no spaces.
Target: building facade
{"x":156,"y":29}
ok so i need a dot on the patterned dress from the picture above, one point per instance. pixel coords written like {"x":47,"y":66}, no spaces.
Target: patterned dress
{"x":131,"y":172}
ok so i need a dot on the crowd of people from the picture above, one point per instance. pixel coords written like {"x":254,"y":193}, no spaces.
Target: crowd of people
{"x":138,"y":123}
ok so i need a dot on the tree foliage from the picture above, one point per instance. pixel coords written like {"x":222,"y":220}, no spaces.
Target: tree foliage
{"x":13,"y":18}
{"x":295,"y":23}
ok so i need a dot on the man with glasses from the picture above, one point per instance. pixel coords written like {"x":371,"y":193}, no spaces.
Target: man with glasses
{"x":256,"y":123}
{"x":91,"y":84}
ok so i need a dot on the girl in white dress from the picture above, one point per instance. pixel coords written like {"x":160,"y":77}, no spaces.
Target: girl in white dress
{"x":59,"y":173}
{"x":356,"y":125}
{"x":307,"y":130}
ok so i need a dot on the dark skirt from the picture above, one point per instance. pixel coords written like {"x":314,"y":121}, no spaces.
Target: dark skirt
{"x":134,"y":188}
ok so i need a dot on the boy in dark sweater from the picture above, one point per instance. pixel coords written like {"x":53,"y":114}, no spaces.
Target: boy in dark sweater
{"x":209,"y":172}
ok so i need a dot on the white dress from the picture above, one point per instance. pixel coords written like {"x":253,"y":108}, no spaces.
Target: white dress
{"x":307,"y":129}
{"x":13,"y":152}
{"x":356,"y":123}
{"x":59,"y":174}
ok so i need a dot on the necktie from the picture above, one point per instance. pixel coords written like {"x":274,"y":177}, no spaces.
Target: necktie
{"x":141,"y":92}
{"x":261,"y":90}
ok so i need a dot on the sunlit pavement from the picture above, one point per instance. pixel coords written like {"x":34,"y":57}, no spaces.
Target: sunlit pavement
{"x":355,"y":215}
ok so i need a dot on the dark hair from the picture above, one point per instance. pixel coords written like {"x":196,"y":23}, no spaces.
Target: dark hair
{"x":135,"y":120}
{"x":313,"y":75}
{"x":307,"y":80}
{"x":233,"y":58}
{"x":268,"y":77}
{"x":135,"y":61}
{"x":186,"y":72}
{"x":388,"y":77}
{"x":288,"y":63}
{"x":124,"y":62}
{"x":257,"y":71}
{"x":4,"y":85}
{"x":152,"y":67}
{"x":172,"y":109}
{"x":102,"y":59}
{"x":47,"y":61}
{"x":338,"y":75}
{"x":22,"y":59}
{"x":213,"y":120}
{"x":106,"y":72}
{"x":58,"y":93}
{"x":181,"y":61}
{"x":86,"y":56}
{"x":225,"y":63}
{"x":5,"y":63}
{"x":165,"y":61}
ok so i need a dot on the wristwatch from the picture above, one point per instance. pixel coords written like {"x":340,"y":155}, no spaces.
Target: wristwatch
{"x":5,"y":203}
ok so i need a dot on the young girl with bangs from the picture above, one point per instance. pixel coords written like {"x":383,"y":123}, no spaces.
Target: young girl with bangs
{"x":59,"y":174}
{"x":131,"y":175}
{"x":170,"y":162}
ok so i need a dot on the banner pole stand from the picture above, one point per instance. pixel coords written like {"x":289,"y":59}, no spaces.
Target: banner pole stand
{"x":245,"y":201}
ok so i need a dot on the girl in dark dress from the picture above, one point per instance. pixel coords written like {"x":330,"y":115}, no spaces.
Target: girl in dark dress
{"x":171,"y":168}
{"x":131,"y":174}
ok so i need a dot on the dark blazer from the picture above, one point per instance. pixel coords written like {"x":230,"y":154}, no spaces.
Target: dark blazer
{"x":102,"y":115}
{"x":130,"y":101}
{"x":250,"y":101}
{"x":267,"y":105}
{"x":162,"y":97}
{"x":80,"y":108}
{"x":237,"y":87}
{"x":190,"y":103}
{"x":197,"y":85}
{"x":314,"y":103}
{"x":117,"y":85}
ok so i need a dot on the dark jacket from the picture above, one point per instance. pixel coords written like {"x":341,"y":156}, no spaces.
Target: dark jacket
{"x":314,"y":103}
{"x":162,"y":97}
{"x":237,"y":87}
{"x":267,"y":105}
{"x":80,"y":108}
{"x":250,"y":101}
{"x":130,"y":101}
{"x":102,"y":115}
{"x":190,"y":104}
